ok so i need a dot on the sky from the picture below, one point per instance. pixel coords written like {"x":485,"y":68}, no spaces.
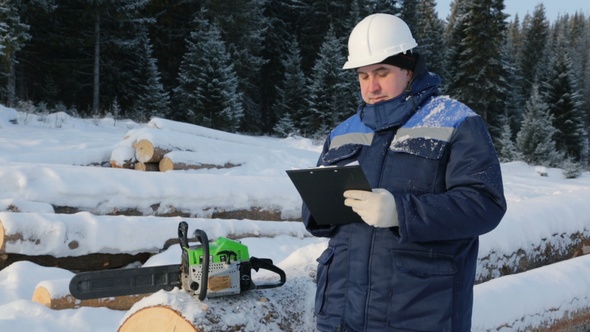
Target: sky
{"x":50,"y":160}
{"x":553,"y":8}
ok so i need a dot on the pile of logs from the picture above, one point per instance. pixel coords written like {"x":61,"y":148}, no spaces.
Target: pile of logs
{"x":26,"y":234}
{"x":165,"y":145}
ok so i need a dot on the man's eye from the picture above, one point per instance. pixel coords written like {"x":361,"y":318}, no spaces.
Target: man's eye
{"x":363,"y":76}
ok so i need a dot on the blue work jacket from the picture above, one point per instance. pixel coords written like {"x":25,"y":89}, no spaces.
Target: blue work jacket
{"x":435,"y":156}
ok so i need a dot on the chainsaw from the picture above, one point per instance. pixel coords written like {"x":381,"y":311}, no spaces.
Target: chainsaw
{"x":208,"y":270}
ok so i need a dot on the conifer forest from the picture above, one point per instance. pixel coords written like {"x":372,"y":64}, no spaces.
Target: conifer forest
{"x":270,"y":67}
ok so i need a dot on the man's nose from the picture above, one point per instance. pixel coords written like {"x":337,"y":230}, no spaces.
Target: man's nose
{"x":374,"y":84}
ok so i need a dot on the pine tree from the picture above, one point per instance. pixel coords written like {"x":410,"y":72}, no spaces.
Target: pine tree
{"x":515,"y":101}
{"x":409,"y":13}
{"x":564,"y":100}
{"x":279,"y":37}
{"x":507,"y":151}
{"x":315,"y":19}
{"x":535,"y":139}
{"x":149,"y":97}
{"x":13,"y":35}
{"x":479,"y":78}
{"x":429,"y":34}
{"x":243,"y":29}
{"x":172,"y":26}
{"x":207,"y":92}
{"x":535,"y":31}
{"x":291,"y":92}
{"x":331,"y":89}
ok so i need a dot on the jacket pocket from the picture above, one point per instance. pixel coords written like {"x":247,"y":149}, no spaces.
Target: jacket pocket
{"x":322,"y":279}
{"x":416,"y":165}
{"x":422,"y":298}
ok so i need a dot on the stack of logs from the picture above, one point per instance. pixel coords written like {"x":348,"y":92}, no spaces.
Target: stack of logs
{"x":147,"y":155}
{"x":166,"y":145}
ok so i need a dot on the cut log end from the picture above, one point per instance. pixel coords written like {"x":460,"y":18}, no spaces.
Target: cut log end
{"x":144,"y":151}
{"x":2,"y":238}
{"x":147,"y":152}
{"x":41,"y":295}
{"x":166,"y":164}
{"x":158,"y":318}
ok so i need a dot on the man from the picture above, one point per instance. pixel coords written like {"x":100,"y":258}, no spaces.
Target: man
{"x":410,"y":266}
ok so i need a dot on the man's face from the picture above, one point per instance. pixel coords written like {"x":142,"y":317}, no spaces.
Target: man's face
{"x":381,"y":82}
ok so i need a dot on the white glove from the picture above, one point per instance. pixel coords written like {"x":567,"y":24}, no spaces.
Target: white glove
{"x":376,"y":208}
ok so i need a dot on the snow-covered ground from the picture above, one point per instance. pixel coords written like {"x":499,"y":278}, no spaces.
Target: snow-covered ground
{"x":44,"y":162}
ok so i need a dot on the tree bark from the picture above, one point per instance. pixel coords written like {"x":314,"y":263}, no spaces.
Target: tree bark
{"x":54,"y":295}
{"x":146,"y":167}
{"x":168,"y":163}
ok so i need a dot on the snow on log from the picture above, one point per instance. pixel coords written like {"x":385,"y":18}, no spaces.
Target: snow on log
{"x":54,"y":294}
{"x":515,"y":247}
{"x":147,"y":167}
{"x":90,"y":262}
{"x":183,"y":160}
{"x":195,"y":130}
{"x":22,"y":205}
{"x":62,"y":235}
{"x":221,"y":147}
{"x":549,"y":296}
{"x":123,"y":156}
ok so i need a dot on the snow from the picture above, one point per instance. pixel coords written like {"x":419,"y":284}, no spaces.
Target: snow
{"x":51,"y":160}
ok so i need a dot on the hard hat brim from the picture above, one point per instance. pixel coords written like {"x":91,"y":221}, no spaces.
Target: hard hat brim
{"x":356,"y":62}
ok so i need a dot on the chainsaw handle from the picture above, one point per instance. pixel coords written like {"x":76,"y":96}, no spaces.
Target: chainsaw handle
{"x":182,"y":234}
{"x":266,"y":264}
{"x":202,"y":237}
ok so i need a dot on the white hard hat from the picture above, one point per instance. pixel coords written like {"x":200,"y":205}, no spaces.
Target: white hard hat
{"x":376,"y":38}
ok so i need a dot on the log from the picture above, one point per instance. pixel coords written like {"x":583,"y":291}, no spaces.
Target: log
{"x":61,"y":240}
{"x":282,"y":309}
{"x":71,"y":235}
{"x":54,"y":295}
{"x":169,"y":162}
{"x":147,"y":167}
{"x":516,"y":246}
{"x":147,"y":152}
{"x":552,"y":297}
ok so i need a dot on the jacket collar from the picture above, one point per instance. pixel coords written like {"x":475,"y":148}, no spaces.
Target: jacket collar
{"x":396,"y":111}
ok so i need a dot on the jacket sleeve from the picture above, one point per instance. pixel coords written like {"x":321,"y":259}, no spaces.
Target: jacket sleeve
{"x":473,"y":203}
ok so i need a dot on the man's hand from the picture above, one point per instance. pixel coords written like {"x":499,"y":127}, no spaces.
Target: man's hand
{"x":376,"y":208}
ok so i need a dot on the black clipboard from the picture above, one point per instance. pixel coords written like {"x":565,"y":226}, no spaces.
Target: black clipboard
{"x":322,"y":189}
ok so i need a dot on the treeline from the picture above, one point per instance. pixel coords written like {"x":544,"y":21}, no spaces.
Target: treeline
{"x":274,"y":67}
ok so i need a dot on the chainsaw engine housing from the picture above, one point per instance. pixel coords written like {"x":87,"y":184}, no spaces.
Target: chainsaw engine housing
{"x":228,"y":271}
